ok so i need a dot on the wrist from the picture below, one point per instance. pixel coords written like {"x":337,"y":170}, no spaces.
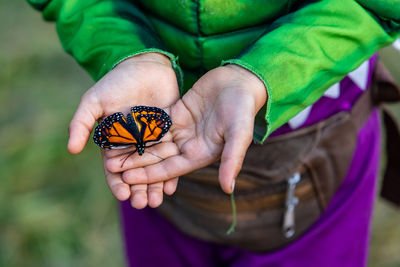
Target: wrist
{"x":254,"y":84}
{"x":154,"y":57}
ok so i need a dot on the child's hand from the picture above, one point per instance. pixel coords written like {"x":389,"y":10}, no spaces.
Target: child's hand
{"x":214,"y":120}
{"x":146,"y":79}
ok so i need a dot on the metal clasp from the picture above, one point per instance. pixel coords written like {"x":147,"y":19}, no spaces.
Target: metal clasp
{"x":288,"y":227}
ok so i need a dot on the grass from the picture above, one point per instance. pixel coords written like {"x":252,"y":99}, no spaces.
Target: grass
{"x":55,"y":209}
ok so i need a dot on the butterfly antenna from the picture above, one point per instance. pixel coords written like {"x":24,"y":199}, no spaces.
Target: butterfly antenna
{"x":155,"y":155}
{"x":124,"y":159}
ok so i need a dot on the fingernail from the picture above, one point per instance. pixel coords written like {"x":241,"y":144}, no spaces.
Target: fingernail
{"x":233,"y":184}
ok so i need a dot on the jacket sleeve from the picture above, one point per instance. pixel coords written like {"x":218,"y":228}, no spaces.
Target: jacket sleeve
{"x":101,"y":33}
{"x":305,"y":52}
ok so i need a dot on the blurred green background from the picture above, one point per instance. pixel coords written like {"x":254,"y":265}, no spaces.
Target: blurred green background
{"x":55,"y":209}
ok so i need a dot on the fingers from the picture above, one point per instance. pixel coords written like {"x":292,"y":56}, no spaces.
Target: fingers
{"x":155,"y":194}
{"x":142,"y":194}
{"x":83,"y":122}
{"x":152,"y":155}
{"x":118,"y":188}
{"x":139,"y":196}
{"x":174,"y":166}
{"x":234,"y":151}
{"x":170,"y":186}
{"x":152,"y":195}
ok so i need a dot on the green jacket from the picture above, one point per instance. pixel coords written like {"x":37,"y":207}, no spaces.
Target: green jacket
{"x":298,"y":48}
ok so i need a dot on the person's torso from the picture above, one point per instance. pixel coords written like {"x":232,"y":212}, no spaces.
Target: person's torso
{"x":204,"y":32}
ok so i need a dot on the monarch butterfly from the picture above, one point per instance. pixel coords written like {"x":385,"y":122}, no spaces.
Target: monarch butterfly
{"x":141,"y":126}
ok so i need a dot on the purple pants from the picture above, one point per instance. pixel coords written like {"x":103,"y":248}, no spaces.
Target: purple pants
{"x":340,"y":237}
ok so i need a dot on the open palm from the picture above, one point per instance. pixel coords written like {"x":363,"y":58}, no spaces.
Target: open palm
{"x":214,"y":120}
{"x":147,"y":79}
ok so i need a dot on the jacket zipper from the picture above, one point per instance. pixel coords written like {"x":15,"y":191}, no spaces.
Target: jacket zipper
{"x":288,"y":227}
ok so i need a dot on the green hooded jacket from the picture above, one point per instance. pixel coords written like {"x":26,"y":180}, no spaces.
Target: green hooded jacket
{"x":297,"y":48}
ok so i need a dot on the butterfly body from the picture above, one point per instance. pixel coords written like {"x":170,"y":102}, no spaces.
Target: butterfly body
{"x":141,"y":126}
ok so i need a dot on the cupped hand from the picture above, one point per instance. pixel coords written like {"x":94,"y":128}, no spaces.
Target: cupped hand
{"x":213,"y":120}
{"x":146,"y":79}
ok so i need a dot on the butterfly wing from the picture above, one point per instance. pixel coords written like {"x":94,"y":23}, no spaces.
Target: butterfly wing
{"x":114,"y":133}
{"x":153,"y":123}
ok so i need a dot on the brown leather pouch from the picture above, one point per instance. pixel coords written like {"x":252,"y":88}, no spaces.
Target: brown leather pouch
{"x":385,"y":90}
{"x":265,"y":219}
{"x":284,"y":186}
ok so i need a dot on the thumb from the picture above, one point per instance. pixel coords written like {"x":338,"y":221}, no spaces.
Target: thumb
{"x":83,"y":122}
{"x":233,"y":153}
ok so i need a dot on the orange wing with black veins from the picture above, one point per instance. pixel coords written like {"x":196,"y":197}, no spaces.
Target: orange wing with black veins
{"x":114,"y":133}
{"x":154,"y":122}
